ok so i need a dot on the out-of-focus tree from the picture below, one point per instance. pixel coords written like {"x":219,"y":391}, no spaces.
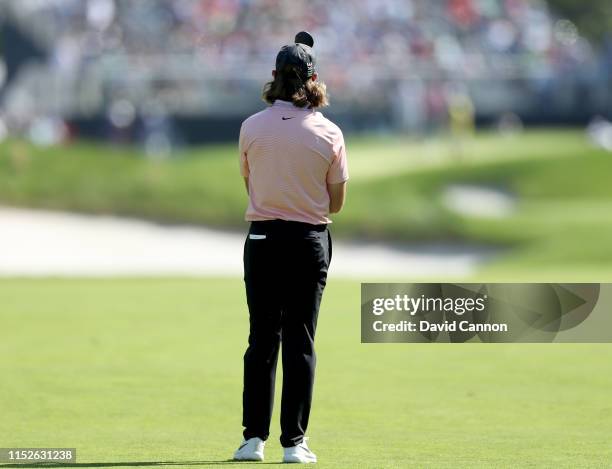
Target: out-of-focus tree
{"x":592,"y":17}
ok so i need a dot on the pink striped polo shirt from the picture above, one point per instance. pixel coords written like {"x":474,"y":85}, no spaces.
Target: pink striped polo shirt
{"x":289,"y":155}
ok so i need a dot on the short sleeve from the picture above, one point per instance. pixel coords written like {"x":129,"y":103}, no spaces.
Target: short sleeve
{"x":338,"y":171}
{"x":242,"y":144}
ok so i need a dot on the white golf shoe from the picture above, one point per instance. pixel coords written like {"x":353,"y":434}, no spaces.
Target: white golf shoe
{"x":299,"y":454}
{"x":250,"y":450}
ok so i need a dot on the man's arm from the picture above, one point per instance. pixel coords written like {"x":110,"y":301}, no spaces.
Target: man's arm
{"x":337,"y":195}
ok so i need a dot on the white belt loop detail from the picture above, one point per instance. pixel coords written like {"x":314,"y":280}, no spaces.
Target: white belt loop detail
{"x":256,"y":236}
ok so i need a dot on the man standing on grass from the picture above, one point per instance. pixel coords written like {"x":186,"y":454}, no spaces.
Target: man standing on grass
{"x":293,"y":161}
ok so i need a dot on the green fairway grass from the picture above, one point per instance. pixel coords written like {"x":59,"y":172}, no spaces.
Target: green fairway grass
{"x":143,"y":372}
{"x":562,"y":222}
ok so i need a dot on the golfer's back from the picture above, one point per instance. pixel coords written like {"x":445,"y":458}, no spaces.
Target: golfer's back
{"x":290,"y":154}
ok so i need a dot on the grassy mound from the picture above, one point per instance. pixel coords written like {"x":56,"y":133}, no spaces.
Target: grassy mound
{"x":564,"y":199}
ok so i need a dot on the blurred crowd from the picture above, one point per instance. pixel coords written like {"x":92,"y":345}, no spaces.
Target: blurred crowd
{"x":199,"y":56}
{"x":465,"y":37}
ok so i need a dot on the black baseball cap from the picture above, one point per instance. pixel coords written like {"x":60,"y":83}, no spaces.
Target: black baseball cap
{"x":299,"y":55}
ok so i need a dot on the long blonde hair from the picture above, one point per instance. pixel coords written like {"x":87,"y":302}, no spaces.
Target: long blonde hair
{"x":289,"y":86}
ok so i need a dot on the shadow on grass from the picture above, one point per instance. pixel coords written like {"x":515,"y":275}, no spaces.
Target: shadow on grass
{"x":134,"y":464}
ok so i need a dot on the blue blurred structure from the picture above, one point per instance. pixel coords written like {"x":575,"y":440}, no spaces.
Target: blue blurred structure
{"x":119,"y":68}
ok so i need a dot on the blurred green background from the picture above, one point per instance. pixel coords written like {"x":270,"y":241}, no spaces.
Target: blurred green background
{"x":557,"y":186}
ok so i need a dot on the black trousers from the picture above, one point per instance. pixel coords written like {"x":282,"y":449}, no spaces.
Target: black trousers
{"x":285,"y":272}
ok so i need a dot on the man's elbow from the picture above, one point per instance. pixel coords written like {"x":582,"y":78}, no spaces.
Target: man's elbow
{"x":336,"y":207}
{"x":337,"y":196}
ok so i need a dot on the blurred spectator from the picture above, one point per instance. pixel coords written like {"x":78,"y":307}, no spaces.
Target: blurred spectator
{"x":600,"y":133}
